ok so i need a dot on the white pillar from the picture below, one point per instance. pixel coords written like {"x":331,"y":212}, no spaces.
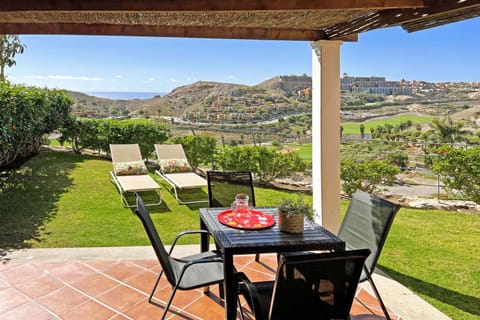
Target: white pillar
{"x":326,"y":132}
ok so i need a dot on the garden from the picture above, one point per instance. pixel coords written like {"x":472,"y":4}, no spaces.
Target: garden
{"x":61,"y":199}
{"x":53,"y":199}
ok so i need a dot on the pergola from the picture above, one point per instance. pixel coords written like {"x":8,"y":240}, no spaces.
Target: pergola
{"x":326,"y":23}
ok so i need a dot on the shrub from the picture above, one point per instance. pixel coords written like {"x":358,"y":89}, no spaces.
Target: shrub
{"x":199,"y":149}
{"x":265,"y":162}
{"x":460,"y":170}
{"x":26,"y":115}
{"x":398,"y":159}
{"x":366,"y":176}
{"x":98,"y":134}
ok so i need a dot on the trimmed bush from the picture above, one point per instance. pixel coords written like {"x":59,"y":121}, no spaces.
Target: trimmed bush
{"x":199,"y":149}
{"x":98,"y":134}
{"x":26,"y":115}
{"x":266,"y":163}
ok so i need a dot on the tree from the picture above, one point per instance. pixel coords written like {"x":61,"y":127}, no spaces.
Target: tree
{"x":10,"y":46}
{"x":366,"y":176}
{"x":460,"y":170}
{"x":449,"y":131}
{"x":362,"y":131}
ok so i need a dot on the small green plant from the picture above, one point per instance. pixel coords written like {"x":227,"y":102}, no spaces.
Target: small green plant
{"x":299,"y":206}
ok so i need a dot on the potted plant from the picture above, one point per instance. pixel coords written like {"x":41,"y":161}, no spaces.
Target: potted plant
{"x":291,"y":214}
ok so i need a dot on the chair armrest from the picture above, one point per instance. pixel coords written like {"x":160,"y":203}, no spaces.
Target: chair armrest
{"x":202,"y":260}
{"x":183,"y":233}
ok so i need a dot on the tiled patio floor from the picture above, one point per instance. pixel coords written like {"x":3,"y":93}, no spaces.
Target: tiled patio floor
{"x":119,"y":289}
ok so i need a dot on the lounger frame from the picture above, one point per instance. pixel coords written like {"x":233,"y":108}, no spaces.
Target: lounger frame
{"x":123,"y":190}
{"x":181,"y":180}
{"x":131,"y":184}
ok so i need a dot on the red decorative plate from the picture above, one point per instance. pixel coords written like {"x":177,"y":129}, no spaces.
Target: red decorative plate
{"x":256,"y":220}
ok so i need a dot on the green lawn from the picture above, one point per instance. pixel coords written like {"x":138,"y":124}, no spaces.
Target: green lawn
{"x":304,"y":150}
{"x":60,"y":199}
{"x":436,"y":254}
{"x":354,"y":127}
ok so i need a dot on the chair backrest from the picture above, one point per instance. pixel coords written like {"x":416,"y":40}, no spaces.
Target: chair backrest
{"x":162,"y":255}
{"x":223,"y":186}
{"x":170,"y":151}
{"x":366,"y":225}
{"x":125,"y":152}
{"x":316,"y":285}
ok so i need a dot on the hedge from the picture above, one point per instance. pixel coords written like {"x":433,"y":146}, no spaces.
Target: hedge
{"x":26,"y":115}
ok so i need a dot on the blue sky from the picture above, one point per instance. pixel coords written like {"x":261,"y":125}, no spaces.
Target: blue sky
{"x":148,"y":64}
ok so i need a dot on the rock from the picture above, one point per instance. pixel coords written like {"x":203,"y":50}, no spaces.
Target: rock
{"x":429,"y":203}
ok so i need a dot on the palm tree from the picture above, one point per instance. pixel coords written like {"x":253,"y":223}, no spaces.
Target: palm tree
{"x":449,"y":131}
{"x":362,"y":131}
{"x":10,"y":45}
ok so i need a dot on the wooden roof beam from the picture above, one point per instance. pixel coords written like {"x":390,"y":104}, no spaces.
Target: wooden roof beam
{"x":444,"y":11}
{"x":162,"y":31}
{"x":202,"y":5}
{"x":399,"y":16}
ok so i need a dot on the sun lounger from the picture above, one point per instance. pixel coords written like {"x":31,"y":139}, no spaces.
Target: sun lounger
{"x":130,"y":174}
{"x":176,"y":171}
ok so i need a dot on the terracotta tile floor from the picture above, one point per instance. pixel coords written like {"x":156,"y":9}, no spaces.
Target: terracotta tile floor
{"x":119,"y":290}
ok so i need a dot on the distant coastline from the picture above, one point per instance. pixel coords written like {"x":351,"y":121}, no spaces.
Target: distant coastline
{"x":124,"y":95}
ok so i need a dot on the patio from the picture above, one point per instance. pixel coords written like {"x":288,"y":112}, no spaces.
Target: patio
{"x":114,"y":283}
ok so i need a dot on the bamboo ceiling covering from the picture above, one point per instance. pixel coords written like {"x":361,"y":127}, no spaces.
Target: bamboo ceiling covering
{"x":234,"y":19}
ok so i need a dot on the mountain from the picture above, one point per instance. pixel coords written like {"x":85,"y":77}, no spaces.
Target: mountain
{"x":277,"y":97}
{"x":287,"y":84}
{"x":187,"y":99}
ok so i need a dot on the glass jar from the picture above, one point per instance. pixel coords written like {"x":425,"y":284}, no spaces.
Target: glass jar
{"x":241,"y":209}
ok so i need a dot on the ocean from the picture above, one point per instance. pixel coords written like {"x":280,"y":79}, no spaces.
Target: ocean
{"x":124,"y":95}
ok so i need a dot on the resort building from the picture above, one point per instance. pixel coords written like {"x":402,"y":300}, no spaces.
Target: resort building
{"x":375,"y":85}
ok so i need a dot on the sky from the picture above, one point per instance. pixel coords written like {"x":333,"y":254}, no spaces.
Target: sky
{"x":155,"y":64}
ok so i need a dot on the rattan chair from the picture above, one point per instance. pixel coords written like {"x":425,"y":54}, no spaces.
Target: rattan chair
{"x":308,"y":286}
{"x":366,"y":224}
{"x":186,"y":273}
{"x":223,"y":186}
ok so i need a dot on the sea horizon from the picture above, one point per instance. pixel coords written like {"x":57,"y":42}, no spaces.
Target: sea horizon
{"x":124,"y":95}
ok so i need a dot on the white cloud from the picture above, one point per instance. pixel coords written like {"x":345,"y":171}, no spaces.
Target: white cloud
{"x":64,"y":77}
{"x":232,"y":77}
{"x":174,"y":80}
{"x":118,"y":76}
{"x":151,"y":79}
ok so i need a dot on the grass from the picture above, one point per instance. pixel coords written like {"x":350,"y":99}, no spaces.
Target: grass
{"x":304,"y":151}
{"x":354,"y":127}
{"x":59,"y":199}
{"x":436,"y":254}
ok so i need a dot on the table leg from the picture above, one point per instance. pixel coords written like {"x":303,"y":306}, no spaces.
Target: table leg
{"x":230,"y":286}
{"x":204,"y":238}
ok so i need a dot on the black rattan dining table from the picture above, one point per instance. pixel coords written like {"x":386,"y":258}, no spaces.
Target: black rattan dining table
{"x":234,"y":241}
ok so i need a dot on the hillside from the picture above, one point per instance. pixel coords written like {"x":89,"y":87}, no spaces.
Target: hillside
{"x":186,"y":99}
{"x":216,"y":102}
